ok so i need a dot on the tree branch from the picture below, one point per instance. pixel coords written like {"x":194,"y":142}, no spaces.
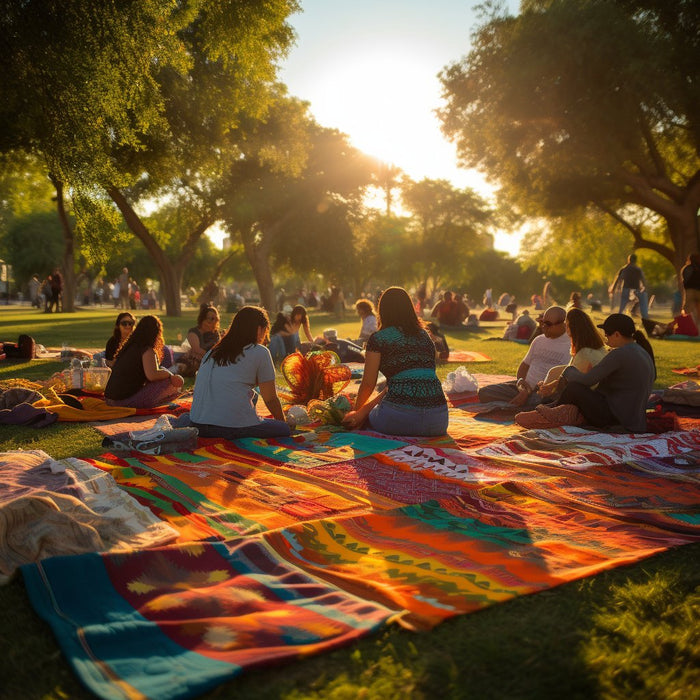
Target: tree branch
{"x":639,"y":240}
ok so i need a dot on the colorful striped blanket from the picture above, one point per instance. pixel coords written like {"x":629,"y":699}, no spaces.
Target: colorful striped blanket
{"x":293,"y":547}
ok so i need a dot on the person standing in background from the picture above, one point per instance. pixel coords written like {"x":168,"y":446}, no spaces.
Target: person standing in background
{"x":56,"y":284}
{"x":124,"y":288}
{"x":632,"y":279}
{"x":690,"y":275}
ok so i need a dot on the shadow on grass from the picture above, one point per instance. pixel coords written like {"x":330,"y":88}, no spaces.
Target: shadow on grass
{"x":552,"y":644}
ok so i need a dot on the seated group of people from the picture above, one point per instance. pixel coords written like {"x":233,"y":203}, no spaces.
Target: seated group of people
{"x":566,"y":366}
{"x":568,"y":377}
{"x":450,"y":310}
{"x":135,"y":352}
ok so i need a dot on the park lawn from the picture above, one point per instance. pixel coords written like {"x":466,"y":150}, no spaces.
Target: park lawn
{"x":630,"y":632}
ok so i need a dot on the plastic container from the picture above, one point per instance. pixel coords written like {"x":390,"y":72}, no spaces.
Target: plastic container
{"x":95,"y":379}
{"x":76,"y":374}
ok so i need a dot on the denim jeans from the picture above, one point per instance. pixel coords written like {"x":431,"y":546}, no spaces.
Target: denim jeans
{"x":266,"y":429}
{"x":394,"y":419}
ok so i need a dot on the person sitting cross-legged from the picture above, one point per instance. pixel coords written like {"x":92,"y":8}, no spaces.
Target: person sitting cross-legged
{"x":624,"y":378}
{"x":551,"y":348}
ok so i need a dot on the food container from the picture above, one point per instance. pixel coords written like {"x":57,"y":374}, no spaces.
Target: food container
{"x":95,"y":379}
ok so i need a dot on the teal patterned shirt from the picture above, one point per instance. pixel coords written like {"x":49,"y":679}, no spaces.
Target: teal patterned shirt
{"x":408,"y":363}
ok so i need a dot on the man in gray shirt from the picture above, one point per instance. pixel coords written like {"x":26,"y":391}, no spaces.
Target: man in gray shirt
{"x":625,"y":378}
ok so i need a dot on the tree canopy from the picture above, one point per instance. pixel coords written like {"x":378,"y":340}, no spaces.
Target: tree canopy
{"x":583,"y":105}
{"x":138,"y":99}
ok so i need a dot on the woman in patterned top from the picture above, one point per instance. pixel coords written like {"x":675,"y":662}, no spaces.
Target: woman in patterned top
{"x":413,"y":402}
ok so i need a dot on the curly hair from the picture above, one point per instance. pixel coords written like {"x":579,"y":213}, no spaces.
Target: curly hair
{"x":147,"y":334}
{"x":365,"y":305}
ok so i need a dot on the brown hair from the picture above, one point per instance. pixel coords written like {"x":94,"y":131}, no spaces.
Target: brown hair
{"x":582,"y":330}
{"x":204,"y":309}
{"x":148,"y":333}
{"x":242,"y":332}
{"x":396,"y":309}
{"x":365,"y":305}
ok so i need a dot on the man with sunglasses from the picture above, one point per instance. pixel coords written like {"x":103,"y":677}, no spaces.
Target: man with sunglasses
{"x":551,"y":348}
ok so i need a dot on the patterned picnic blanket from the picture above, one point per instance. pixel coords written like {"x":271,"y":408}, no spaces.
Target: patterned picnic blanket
{"x":296,"y":546}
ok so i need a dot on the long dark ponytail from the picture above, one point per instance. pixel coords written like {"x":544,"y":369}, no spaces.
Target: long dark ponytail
{"x":642,"y":340}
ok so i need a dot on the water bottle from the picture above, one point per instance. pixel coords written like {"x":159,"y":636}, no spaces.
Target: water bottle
{"x":76,"y":374}
{"x":65,"y":354}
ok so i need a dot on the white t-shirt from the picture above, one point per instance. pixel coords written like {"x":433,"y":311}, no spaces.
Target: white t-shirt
{"x":369,"y":326}
{"x":223,"y":395}
{"x":543,"y":354}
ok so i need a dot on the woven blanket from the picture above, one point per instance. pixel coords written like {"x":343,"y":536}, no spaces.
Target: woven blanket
{"x":296,"y":546}
{"x":50,"y":507}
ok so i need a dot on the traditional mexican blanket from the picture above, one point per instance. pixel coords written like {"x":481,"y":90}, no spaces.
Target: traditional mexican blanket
{"x":294,"y":546}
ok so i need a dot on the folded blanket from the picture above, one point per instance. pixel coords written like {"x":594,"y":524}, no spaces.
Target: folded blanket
{"x":93,"y":409}
{"x":50,"y":508}
{"x":154,"y":442}
{"x":28,"y":415}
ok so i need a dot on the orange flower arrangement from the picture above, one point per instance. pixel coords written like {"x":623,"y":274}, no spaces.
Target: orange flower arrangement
{"x":313,"y":376}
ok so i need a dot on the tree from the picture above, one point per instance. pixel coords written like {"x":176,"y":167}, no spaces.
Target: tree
{"x":291,"y":193}
{"x":448,"y":223}
{"x":385,"y":252}
{"x":387,"y":178}
{"x":582,"y":105}
{"x":33,"y":243}
{"x":139,"y":99}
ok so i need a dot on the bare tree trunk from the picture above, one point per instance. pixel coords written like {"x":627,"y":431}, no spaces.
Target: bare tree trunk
{"x":68,"y":264}
{"x":170,"y":274}
{"x":257,"y":250}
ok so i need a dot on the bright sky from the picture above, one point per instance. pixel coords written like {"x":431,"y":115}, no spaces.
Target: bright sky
{"x":369,"y":68}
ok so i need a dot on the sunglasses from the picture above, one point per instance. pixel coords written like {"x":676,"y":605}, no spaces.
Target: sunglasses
{"x":550,"y":323}
{"x":126,"y":323}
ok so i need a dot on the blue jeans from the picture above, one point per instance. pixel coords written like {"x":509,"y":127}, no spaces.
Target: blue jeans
{"x":266,"y":429}
{"x":277,"y":348}
{"x":394,"y":419}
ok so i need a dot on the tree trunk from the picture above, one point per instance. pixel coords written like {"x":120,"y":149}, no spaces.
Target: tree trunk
{"x":257,"y":250}
{"x":685,"y":234}
{"x":170,"y":274}
{"x":68,"y":265}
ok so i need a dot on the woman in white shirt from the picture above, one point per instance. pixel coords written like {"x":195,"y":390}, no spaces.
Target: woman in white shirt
{"x":224,"y":397}
{"x":587,"y":350}
{"x":365,"y":310}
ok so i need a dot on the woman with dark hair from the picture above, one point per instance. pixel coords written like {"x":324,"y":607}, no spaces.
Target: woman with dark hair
{"x":298,"y":319}
{"x":279,"y":335}
{"x":123,"y":327}
{"x":201,"y":338}
{"x":413,"y":402}
{"x":625,"y":378}
{"x":224,"y":397}
{"x":137,"y":379}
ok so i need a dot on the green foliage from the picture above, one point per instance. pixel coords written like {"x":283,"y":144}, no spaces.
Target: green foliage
{"x":34,"y":245}
{"x":579,"y":103}
{"x":448,"y":225}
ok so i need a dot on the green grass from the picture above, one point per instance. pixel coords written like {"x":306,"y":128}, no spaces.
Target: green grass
{"x":633,"y":632}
